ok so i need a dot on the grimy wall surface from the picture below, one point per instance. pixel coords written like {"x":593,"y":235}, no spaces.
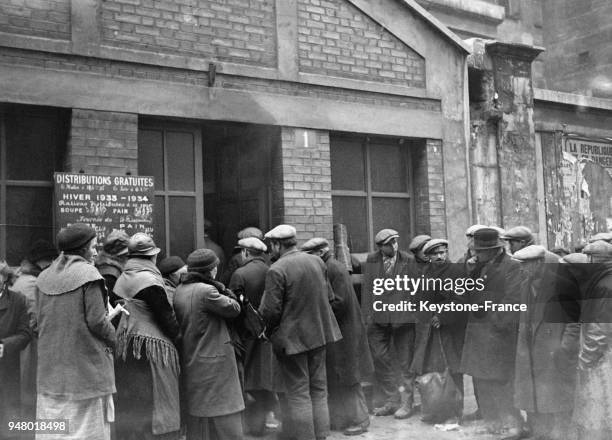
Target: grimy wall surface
{"x":381,"y":67}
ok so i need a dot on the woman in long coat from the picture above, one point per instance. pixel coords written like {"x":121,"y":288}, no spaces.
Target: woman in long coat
{"x":210,"y":373}
{"x":76,"y":378}
{"x":148,"y":363}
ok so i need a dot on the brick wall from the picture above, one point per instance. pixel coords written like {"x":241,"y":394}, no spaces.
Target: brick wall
{"x":336,"y":39}
{"x":41,"y":18}
{"x":103,"y":142}
{"x":428,"y":177}
{"x":227,"y":30}
{"x":304,"y":184}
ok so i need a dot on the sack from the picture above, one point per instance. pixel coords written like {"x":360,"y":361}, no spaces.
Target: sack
{"x":440,"y":397}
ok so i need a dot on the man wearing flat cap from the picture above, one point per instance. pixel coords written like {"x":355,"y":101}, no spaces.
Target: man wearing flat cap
{"x":391,"y":334}
{"x":261,"y":369}
{"x":296,"y":307}
{"x":518,"y":238}
{"x":236,"y":259}
{"x":489,"y":349}
{"x":349,"y":361}
{"x":416,"y":247}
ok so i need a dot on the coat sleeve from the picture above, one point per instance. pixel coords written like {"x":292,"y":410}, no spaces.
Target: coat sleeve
{"x":271,"y":306}
{"x":20,"y":338}
{"x":157,"y":300}
{"x":96,"y":314}
{"x":221,"y":305}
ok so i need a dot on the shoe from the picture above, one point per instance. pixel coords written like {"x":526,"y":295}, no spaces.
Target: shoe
{"x":406,"y":410}
{"x":386,"y":410}
{"x":516,"y":434}
{"x":357,"y":429}
{"x":476,"y":415}
{"x":431,"y":419}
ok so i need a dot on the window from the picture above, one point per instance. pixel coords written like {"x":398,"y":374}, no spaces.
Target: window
{"x":371,"y":188}
{"x":32,"y":146}
{"x":172,"y":154}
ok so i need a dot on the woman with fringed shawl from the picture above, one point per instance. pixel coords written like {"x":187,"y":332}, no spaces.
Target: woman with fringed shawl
{"x":147,"y":360}
{"x":75,"y":340}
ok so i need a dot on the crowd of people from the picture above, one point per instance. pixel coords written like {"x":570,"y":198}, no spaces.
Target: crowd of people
{"x":125,"y":347}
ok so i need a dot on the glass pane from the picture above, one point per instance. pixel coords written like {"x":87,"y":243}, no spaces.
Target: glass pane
{"x":351,"y":211}
{"x":30,"y":217}
{"x":389,"y":169}
{"x":182,"y":226}
{"x":181,"y":159}
{"x":159,"y":225}
{"x":394,"y":214}
{"x":151,"y":156}
{"x":32,"y":142}
{"x":347,"y":163}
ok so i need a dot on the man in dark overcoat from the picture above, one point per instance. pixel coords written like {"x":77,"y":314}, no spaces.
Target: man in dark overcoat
{"x":489,"y":350}
{"x":261,"y":368}
{"x":349,"y":361}
{"x":547,"y":351}
{"x":391,"y":334}
{"x":296,"y":307}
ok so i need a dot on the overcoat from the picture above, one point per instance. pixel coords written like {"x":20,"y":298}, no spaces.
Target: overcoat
{"x":349,"y":360}
{"x":489,"y":350}
{"x":210,"y":372}
{"x":547,"y":352}
{"x":296,"y":304}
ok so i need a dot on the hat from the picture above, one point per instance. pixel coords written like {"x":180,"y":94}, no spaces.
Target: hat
{"x":575,"y":258}
{"x":40,"y":250}
{"x":74,"y":236}
{"x":432,"y":244}
{"x":281,"y":232}
{"x":170,"y":264}
{"x":385,"y":235}
{"x":521,"y":233}
{"x":140,"y":244}
{"x":487,"y":238}
{"x":598,"y":248}
{"x":605,"y":236}
{"x":251,"y":231}
{"x":116,"y":243}
{"x":532,"y":252}
{"x":252,"y":243}
{"x":314,"y":244}
{"x":202,"y":260}
{"x":469,"y":232}
{"x":418,"y":242}
{"x":500,"y":231}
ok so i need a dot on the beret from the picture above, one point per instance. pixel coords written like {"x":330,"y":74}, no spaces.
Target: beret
{"x":40,"y":250}
{"x":432,"y":244}
{"x":252,"y":243}
{"x":281,"y":232}
{"x":532,"y":252}
{"x":202,"y":260}
{"x":599,"y":248}
{"x":141,"y":244}
{"x":418,"y":242}
{"x":605,"y":236}
{"x":487,"y":238}
{"x":116,"y":243}
{"x":518,"y":233}
{"x":170,"y":264}
{"x":314,"y":244}
{"x":470,"y":231}
{"x":251,"y":231}
{"x":575,"y":258}
{"x":74,"y":236}
{"x":385,"y":235}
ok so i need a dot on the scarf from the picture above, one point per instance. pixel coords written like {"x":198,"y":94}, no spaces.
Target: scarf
{"x":138,"y":274}
{"x":65,"y":274}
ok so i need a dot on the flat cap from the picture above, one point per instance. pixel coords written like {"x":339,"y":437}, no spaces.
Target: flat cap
{"x":469,"y":232}
{"x":605,"y":236}
{"x":385,"y":235}
{"x":251,"y":231}
{"x":314,"y":244}
{"x":252,"y":243}
{"x":575,"y":258}
{"x":598,"y":248}
{"x":532,"y":252}
{"x":170,"y":264}
{"x":518,"y":233}
{"x":431,"y":245}
{"x":418,"y":242}
{"x":281,"y":232}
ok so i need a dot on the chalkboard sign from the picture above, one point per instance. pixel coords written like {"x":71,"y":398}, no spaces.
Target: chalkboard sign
{"x":105,"y":202}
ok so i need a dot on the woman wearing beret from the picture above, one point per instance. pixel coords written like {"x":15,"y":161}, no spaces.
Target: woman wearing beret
{"x":214,"y":397}
{"x":75,"y":339}
{"x":148,"y":363}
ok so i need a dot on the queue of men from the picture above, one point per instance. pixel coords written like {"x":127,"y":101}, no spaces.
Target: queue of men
{"x":325,"y":358}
